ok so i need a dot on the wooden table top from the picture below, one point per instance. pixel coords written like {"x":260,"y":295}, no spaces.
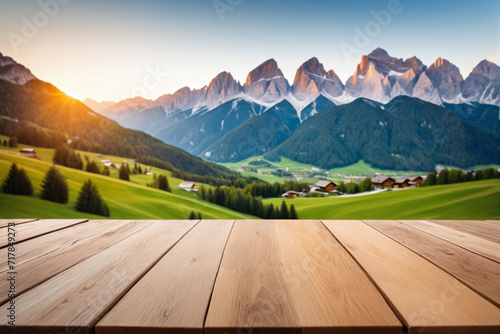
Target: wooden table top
{"x":245,"y":276}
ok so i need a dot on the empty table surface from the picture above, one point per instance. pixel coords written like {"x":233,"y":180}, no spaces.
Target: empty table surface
{"x":255,"y":276}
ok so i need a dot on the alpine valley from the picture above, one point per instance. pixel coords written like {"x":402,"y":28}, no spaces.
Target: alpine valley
{"x":391,"y":113}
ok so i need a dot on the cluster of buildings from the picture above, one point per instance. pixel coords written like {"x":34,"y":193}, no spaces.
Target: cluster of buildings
{"x":378,"y":181}
{"x":406,"y":181}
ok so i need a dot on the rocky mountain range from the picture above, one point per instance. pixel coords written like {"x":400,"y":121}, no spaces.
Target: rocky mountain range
{"x":13,"y":72}
{"x":379,"y":77}
{"x":229,"y":121}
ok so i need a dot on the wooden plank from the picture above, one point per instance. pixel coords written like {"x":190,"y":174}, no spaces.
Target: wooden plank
{"x":48,"y":243}
{"x":34,"y":229}
{"x":77,"y":298}
{"x":479,"y":228}
{"x":475,"y":271}
{"x":178,"y":287}
{"x":425,"y":297}
{"x":5,"y":222}
{"x":41,"y":258}
{"x":293,"y":277}
{"x":468,"y":241}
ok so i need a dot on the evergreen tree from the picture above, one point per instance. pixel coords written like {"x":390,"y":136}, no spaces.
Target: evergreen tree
{"x":55,"y":187}
{"x":66,"y":156}
{"x":442,"y":177}
{"x":17,"y":182}
{"x":105,"y":171}
{"x":271,"y":214}
{"x":284,"y":211}
{"x":92,"y":167}
{"x":430,"y":180}
{"x":13,"y":141}
{"x":124,"y":173}
{"x":199,"y":215}
{"x":210,"y":195}
{"x":293,"y":213}
{"x":192,"y":216}
{"x":5,"y":142}
{"x":455,"y":176}
{"x":163,"y":183}
{"x":90,"y":201}
{"x":203,"y":193}
{"x":366,"y":185}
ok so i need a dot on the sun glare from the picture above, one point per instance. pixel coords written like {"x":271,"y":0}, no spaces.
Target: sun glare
{"x":72,"y":94}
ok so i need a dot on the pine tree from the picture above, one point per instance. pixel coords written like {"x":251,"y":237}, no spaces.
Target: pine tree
{"x":105,"y":171}
{"x":124,"y":173}
{"x":192,"y":216}
{"x":293,"y":214}
{"x":284,"y":211}
{"x":13,"y":141}
{"x":199,"y":215}
{"x":163,"y":183}
{"x":430,"y":180}
{"x":55,"y":187}
{"x":90,"y":201}
{"x":203,"y":192}
{"x":5,"y":142}
{"x":66,"y":156}
{"x":271,"y":213}
{"x":17,"y":182}
{"x":442,"y":177}
{"x":92,"y":167}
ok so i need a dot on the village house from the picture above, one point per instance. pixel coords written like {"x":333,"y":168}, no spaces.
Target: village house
{"x":415,"y":180}
{"x":383,"y":182}
{"x":324,"y":186}
{"x":109,"y":164}
{"x":188,"y":186}
{"x":293,"y":194}
{"x":28,"y":152}
{"x":402,"y":182}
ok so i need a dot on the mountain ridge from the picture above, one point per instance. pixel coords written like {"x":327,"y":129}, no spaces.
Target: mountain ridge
{"x":378,"y":76}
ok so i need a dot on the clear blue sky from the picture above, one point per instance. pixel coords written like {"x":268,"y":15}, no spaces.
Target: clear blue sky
{"x":104,"y":49}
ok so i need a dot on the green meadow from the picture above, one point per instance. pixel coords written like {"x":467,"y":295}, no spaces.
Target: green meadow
{"x":126,"y":200}
{"x":134,"y":200}
{"x":470,"y":200}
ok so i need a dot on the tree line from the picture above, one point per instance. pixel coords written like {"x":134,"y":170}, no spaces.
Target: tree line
{"x":450,"y":176}
{"x":55,"y":189}
{"x":241,"y":201}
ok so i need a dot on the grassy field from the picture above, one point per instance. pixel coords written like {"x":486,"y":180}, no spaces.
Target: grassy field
{"x":126,"y":200}
{"x":345,"y":174}
{"x":471,"y":200}
{"x":357,"y":170}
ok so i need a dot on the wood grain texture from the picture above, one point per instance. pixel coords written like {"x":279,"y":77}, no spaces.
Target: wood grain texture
{"x":5,"y":222}
{"x":480,"y":246}
{"x":426,"y":298}
{"x":479,"y":228}
{"x":41,"y":258}
{"x":77,"y":298}
{"x":475,"y":271}
{"x":174,"y":295}
{"x":293,"y":277}
{"x":33,"y":229}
